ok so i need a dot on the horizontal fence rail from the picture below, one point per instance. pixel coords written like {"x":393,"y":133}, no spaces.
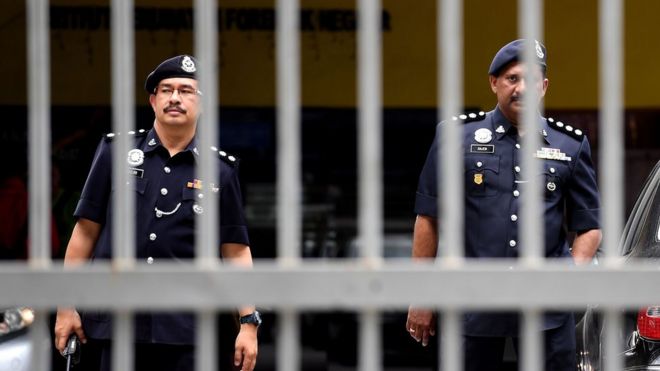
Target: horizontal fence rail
{"x":481,"y":285}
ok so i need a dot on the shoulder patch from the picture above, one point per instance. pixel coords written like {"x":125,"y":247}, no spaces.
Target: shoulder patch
{"x":470,"y":117}
{"x":565,"y":128}
{"x":139,"y":133}
{"x":226,"y":157}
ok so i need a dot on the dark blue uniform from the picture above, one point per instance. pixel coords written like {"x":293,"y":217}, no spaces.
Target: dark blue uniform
{"x":493,"y":171}
{"x":167,"y":195}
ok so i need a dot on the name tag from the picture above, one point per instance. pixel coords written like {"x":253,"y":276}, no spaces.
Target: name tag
{"x":138,"y":173}
{"x":482,"y":148}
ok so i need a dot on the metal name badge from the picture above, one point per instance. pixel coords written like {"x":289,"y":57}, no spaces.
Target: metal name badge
{"x":482,"y":148}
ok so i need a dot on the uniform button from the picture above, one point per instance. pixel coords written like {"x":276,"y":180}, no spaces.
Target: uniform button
{"x":167,"y":170}
{"x":201,"y":195}
{"x":517,"y":169}
{"x":480,"y":164}
{"x":150,"y":260}
{"x":516,"y":193}
{"x":518,"y":145}
{"x":152,"y":236}
{"x":514,"y":217}
{"x":163,"y":191}
{"x":552,"y":170}
{"x":512,"y":243}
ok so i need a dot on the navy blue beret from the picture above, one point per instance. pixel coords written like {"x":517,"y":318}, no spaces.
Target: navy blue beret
{"x":513,"y":52}
{"x":179,"y":66}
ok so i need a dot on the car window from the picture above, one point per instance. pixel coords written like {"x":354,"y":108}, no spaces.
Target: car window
{"x":642,"y":229}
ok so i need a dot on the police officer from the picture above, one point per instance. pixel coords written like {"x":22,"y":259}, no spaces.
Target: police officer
{"x":493,"y":172}
{"x":162,"y":164}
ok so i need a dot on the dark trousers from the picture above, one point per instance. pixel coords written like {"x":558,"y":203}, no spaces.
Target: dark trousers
{"x":486,"y":353}
{"x":162,"y":357}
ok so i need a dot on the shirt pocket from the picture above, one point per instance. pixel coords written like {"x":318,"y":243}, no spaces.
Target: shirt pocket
{"x":482,"y":173}
{"x":552,"y":179}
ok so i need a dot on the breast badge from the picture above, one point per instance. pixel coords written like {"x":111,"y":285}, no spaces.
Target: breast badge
{"x":135,"y":157}
{"x":478,"y":178}
{"x":483,"y":135}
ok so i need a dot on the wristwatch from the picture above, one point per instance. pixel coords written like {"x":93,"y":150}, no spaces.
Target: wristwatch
{"x":254,"y":318}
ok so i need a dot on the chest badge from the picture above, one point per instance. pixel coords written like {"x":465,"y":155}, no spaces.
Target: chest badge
{"x":500,"y":129}
{"x":195,"y":184}
{"x":478,"y":178}
{"x":135,"y":157}
{"x":552,"y":154}
{"x":483,"y":135}
{"x":197,"y":209}
{"x":551,"y":186}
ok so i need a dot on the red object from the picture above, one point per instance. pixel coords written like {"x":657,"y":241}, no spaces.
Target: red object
{"x":648,"y":323}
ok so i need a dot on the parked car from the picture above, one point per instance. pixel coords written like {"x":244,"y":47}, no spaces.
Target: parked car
{"x":641,"y":328}
{"x":14,"y":339}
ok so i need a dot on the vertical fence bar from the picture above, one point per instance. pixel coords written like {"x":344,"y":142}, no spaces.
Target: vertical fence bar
{"x":288,"y":348}
{"x":612,"y":349}
{"x":39,"y":145}
{"x":451,"y":345}
{"x":531,"y":244}
{"x":206,"y":348}
{"x":450,"y":101}
{"x":370,"y":199}
{"x":370,"y":194}
{"x":123,"y":121}
{"x":531,"y":344}
{"x":531,"y":241}
{"x":206,"y":232}
{"x":122,"y":344}
{"x":289,"y":189}
{"x":369,"y":343}
{"x":206,"y":49}
{"x":40,"y":342}
{"x":288,"y":131}
{"x":611,"y":136}
{"x":450,"y":75}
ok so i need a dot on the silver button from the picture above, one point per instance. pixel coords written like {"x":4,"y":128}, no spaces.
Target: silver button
{"x":517,"y":169}
{"x":552,"y":170}
{"x":163,"y":191}
{"x":514,"y":217}
{"x":152,"y":236}
{"x":167,"y":170}
{"x":516,"y":193}
{"x":518,"y":145}
{"x":480,"y":164}
{"x":201,"y":195}
{"x":150,"y":260}
{"x":512,"y":243}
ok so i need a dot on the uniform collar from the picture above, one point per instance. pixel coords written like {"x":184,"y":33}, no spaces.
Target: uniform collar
{"x":502,"y":126}
{"x":152,"y":142}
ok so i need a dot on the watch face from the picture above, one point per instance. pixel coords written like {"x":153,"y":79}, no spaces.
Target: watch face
{"x":257,"y":317}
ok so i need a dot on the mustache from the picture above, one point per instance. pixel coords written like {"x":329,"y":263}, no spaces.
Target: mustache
{"x":174,"y":108}
{"x":516,"y":98}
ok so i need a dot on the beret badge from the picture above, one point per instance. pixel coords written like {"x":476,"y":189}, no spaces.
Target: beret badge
{"x":188,"y":65}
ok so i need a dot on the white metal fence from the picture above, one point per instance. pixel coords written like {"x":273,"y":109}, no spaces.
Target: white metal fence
{"x":287,"y":284}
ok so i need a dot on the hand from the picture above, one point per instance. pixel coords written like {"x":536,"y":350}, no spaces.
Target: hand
{"x":245,"y":349}
{"x":67,"y":322}
{"x":421,"y":324}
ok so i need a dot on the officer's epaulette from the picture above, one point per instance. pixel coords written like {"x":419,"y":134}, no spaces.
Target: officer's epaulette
{"x":565,"y":128}
{"x":470,"y":117}
{"x":226,"y":157}
{"x":140,"y":133}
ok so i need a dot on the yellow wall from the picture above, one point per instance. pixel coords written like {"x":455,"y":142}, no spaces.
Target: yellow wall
{"x":81,"y":69}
